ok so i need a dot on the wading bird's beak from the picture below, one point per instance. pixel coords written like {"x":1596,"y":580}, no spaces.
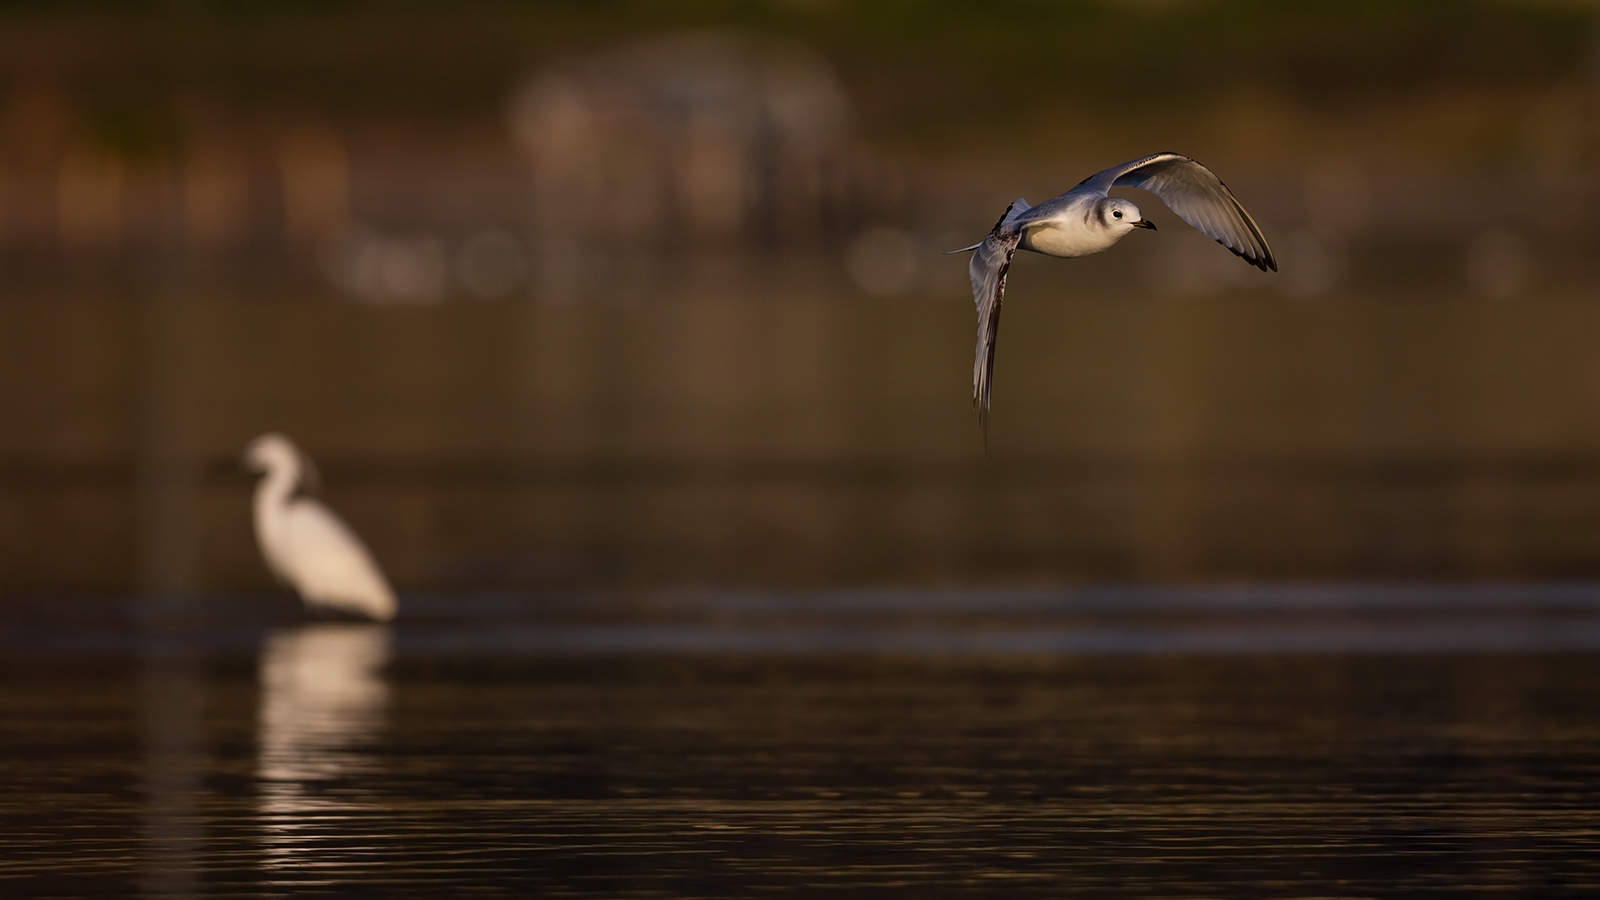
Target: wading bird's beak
{"x":1145,"y":223}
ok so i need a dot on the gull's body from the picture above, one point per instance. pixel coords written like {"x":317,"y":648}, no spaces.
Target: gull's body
{"x":1088,"y":220}
{"x":306,"y":545}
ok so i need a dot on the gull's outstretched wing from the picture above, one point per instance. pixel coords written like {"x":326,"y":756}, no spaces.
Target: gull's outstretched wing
{"x":987,"y":270}
{"x":1197,"y":196}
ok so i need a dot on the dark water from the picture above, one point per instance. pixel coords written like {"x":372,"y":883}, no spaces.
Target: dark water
{"x":1223,"y":743}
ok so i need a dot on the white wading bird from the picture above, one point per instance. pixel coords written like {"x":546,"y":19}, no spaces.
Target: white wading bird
{"x":1086,"y":220}
{"x":305,"y":544}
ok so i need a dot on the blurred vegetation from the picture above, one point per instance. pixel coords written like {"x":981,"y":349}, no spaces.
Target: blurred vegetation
{"x":1420,"y":403}
{"x":936,"y":74}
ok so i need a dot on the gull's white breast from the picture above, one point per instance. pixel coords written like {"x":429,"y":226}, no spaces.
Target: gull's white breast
{"x":1056,"y":237}
{"x":1070,"y":229}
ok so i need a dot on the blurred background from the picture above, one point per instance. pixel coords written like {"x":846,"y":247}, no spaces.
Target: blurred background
{"x":649,"y":294}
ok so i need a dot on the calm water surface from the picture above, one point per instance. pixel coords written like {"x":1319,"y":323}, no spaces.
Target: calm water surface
{"x":1302,"y":743}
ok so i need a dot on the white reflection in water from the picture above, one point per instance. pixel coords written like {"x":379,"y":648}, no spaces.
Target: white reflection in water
{"x":322,"y":699}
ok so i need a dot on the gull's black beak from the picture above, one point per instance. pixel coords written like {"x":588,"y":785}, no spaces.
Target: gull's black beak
{"x":1145,"y":223}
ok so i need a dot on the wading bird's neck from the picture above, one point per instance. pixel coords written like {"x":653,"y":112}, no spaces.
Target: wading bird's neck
{"x":273,"y":492}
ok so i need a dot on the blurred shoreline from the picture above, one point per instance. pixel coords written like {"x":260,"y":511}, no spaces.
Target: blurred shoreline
{"x":564,"y":296}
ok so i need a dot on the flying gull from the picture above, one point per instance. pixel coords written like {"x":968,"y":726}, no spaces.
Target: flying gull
{"x":1086,"y":220}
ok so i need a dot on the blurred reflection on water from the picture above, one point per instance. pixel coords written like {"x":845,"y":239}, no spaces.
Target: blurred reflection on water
{"x":172,"y":728}
{"x":323,"y":701}
{"x":440,"y":757}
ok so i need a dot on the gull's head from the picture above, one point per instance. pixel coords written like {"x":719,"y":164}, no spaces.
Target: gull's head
{"x":1121,"y":216}
{"x":270,"y":453}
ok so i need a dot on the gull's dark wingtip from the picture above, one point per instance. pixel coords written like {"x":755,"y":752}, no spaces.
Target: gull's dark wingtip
{"x":1264,"y":262}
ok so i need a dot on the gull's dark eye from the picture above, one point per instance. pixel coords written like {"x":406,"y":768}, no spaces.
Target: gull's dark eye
{"x":1116,"y":214}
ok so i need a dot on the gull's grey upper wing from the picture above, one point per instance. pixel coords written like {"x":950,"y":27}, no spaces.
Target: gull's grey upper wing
{"x":987,"y":270}
{"x":1197,"y":196}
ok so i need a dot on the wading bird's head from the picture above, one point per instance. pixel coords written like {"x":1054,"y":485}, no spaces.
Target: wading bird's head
{"x":272,"y":452}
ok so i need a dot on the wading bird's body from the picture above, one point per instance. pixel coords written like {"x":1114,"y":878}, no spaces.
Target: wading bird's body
{"x":306,"y":545}
{"x":1088,"y":220}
